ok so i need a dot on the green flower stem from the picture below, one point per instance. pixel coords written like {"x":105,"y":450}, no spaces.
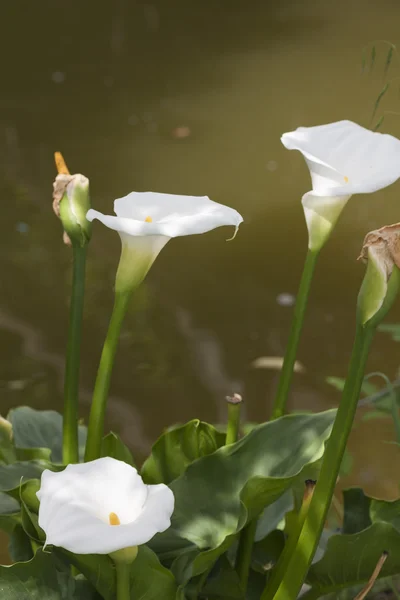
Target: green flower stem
{"x":297,"y":324}
{"x":234,"y":405}
{"x":310,"y":534}
{"x":290,"y":545}
{"x":103,"y":380}
{"x":123,"y":581}
{"x":71,"y":386}
{"x":244,"y":553}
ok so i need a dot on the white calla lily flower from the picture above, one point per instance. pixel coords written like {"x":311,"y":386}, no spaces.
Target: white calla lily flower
{"x":146,"y":221}
{"x":101,"y":506}
{"x":344,"y":159}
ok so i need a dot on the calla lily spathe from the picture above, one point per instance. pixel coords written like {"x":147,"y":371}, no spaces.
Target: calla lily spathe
{"x":101,"y":506}
{"x":344,"y":159}
{"x":146,"y":221}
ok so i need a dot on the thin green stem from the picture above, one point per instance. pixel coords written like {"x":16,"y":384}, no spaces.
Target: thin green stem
{"x":123,"y":581}
{"x":244,"y":553}
{"x":286,"y":375}
{"x":72,"y":364}
{"x":103,"y":380}
{"x":301,"y":558}
{"x":232,"y":431}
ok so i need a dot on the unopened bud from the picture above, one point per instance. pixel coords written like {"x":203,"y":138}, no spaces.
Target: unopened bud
{"x":5,"y":430}
{"x":125,"y":556}
{"x":71,"y":202}
{"x":28,"y":494}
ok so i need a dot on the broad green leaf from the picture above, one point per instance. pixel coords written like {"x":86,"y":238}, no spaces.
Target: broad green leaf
{"x":351,"y":559}
{"x":113,"y":446}
{"x":267,"y":551}
{"x":30,"y":523}
{"x":393,"y":329}
{"x":388,"y":512}
{"x":338,"y":383}
{"x":19,"y":547}
{"x":8,"y":505}
{"x":273,"y":515}
{"x":11,"y":475}
{"x":9,"y":513}
{"x":223,"y":582}
{"x":149,"y":579}
{"x":218,"y":494}
{"x":25,"y":454}
{"x":177,"y":448}
{"x":39,"y":579}
{"x":41,"y":429}
{"x":97,"y":568}
{"x":356,"y":510}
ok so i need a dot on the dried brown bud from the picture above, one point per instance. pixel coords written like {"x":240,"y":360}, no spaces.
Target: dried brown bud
{"x":71,"y":203}
{"x":381,"y":251}
{"x":385,"y":244}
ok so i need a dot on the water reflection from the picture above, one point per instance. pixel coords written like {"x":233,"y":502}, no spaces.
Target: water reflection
{"x":187,"y":98}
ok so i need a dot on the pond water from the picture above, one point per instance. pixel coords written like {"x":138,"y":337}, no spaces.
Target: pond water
{"x":189,"y":97}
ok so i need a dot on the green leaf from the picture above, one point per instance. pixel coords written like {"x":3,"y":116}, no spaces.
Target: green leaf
{"x":388,"y":512}
{"x":11,"y":475}
{"x":149,"y":579}
{"x":19,"y":547}
{"x":97,"y":568}
{"x":393,"y":329}
{"x":30,"y":523}
{"x":8,"y":505}
{"x":113,"y":446}
{"x":9,"y":513}
{"x":223,"y":582}
{"x":26,"y":454}
{"x":41,"y":429}
{"x":267,"y":551}
{"x":351,"y":559}
{"x":367,"y":387}
{"x":356,"y":510}
{"x":218,"y":494}
{"x":273,"y":515}
{"x":39,"y":579}
{"x":176,"y":449}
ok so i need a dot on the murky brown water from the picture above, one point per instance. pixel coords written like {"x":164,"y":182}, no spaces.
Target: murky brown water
{"x":188,"y":97}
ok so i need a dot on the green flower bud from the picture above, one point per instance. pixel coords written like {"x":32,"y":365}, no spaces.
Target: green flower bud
{"x":7,"y":449}
{"x":381,"y":251}
{"x":125,"y":556}
{"x":28,"y":494}
{"x":71,"y":202}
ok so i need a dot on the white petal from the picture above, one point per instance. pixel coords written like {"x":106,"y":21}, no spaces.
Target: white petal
{"x":75,"y":506}
{"x":346,"y":157}
{"x":171,"y":215}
